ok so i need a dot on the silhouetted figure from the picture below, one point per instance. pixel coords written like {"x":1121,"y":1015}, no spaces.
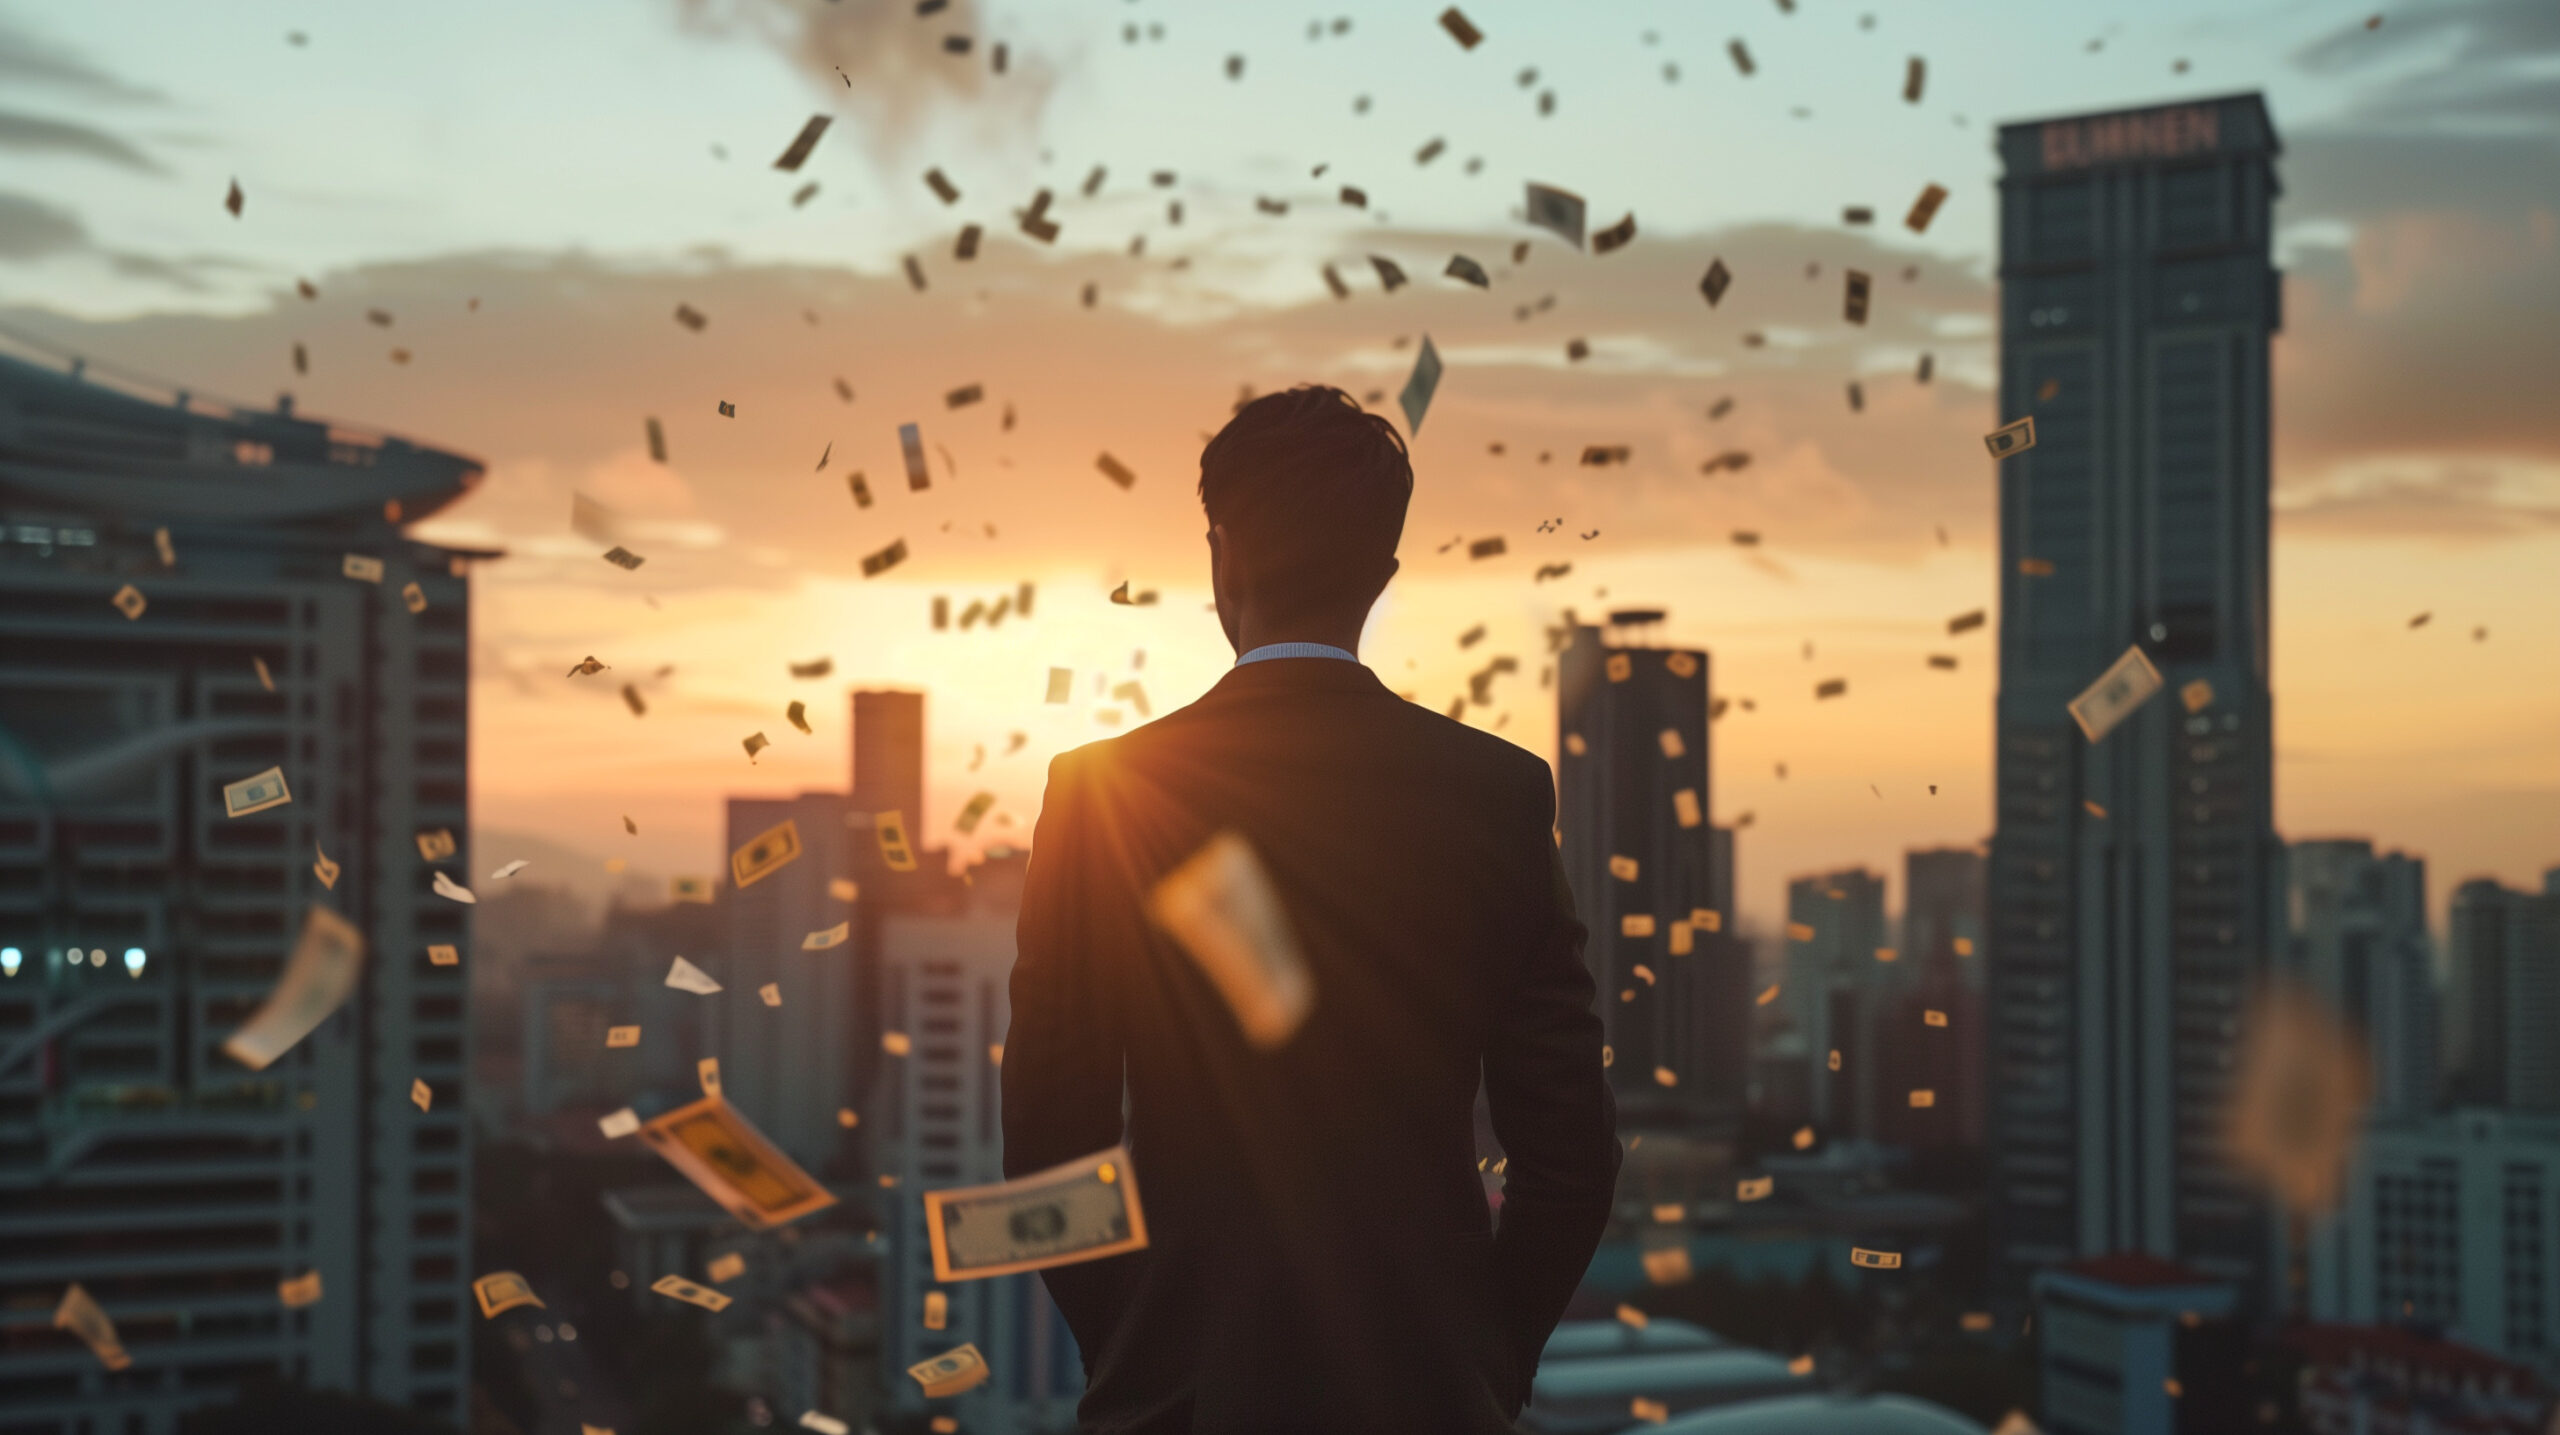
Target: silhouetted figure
{"x":1322,"y":1257}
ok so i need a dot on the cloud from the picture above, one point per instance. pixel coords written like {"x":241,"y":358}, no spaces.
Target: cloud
{"x":33,"y":229}
{"x":30,"y":59}
{"x":2397,"y":496}
{"x":37,"y":135}
{"x":2477,"y":67}
{"x":889,"y":66}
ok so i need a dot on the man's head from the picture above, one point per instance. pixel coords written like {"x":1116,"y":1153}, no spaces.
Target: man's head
{"x":1305,"y":493}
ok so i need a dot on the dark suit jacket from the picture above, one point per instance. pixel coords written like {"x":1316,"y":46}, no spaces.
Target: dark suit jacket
{"x":1321,"y":1255}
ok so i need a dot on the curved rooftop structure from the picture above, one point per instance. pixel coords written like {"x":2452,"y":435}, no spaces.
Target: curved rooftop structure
{"x":1819,"y":1415}
{"x":91,"y":439}
{"x":1593,"y":1396}
{"x":1584,"y":1339}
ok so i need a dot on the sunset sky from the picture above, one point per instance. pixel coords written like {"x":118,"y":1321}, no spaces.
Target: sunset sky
{"x":581,"y":167}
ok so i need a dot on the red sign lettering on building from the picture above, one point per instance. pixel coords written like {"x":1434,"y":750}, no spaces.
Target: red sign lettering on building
{"x":2147,"y":134}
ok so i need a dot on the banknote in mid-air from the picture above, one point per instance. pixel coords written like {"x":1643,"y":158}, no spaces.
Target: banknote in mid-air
{"x":255,"y":794}
{"x":967,"y":822}
{"x":300,"y":1291}
{"x":895,"y":854}
{"x":326,"y":960}
{"x":2127,"y":684}
{"x":504,"y":1291}
{"x":717,"y":1149}
{"x":1557,"y":211}
{"x":1415,"y":400}
{"x":764,"y":854}
{"x":1221,"y":907}
{"x":686,"y":1291}
{"x":950,"y":1372}
{"x":1081,"y":1211}
{"x":81,"y":1315}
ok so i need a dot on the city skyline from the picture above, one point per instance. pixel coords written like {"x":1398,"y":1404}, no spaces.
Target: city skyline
{"x":2398,"y":492}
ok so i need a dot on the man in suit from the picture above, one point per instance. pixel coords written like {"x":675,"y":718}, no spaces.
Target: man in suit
{"x":1322,"y":1257}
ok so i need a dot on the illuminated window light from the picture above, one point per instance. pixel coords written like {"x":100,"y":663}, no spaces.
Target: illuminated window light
{"x":10,"y":957}
{"x":133,"y":960}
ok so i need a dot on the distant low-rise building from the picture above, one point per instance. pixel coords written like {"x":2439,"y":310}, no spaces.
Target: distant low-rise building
{"x":2121,"y":1351}
{"x":2394,"y":1380}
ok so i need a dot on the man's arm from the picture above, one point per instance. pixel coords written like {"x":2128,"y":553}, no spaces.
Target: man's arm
{"x":1062,"y":1053}
{"x":1553,"y":1113}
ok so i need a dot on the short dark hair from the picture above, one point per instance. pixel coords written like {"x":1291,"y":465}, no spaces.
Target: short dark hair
{"x":1312,"y":490}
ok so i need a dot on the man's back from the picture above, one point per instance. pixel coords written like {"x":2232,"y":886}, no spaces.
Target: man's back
{"x":1320,"y":1255}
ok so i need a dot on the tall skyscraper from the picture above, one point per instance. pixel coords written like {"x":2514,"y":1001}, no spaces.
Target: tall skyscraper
{"x":2360,"y":938}
{"x":2506,"y":978}
{"x":1631,"y":810}
{"x":140,"y":925}
{"x":1929,"y":1036}
{"x":1838,"y":973}
{"x":939,"y":1111}
{"x":2132,"y":878}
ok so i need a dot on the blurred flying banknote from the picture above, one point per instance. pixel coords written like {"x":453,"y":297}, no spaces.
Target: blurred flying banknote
{"x":832,"y":937}
{"x":684,"y":976}
{"x":1557,"y":211}
{"x":764,"y":854}
{"x":894,"y":851}
{"x":504,"y":1291}
{"x":720,"y":1151}
{"x":84,"y":1317}
{"x":2298,"y":1100}
{"x":1081,"y":1211}
{"x":2127,"y":684}
{"x":447,"y":887}
{"x":326,"y":961}
{"x":255,"y":794}
{"x":950,"y":1372}
{"x":300,"y":1291}
{"x":686,"y":1291}
{"x":2011,"y":438}
{"x":1221,"y":907}
{"x":1416,"y":398}
{"x":967,"y":822}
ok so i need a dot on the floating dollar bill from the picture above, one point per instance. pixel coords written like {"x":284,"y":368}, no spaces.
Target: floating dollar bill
{"x":81,"y":1315}
{"x":361,"y":568}
{"x":1557,"y":211}
{"x":1913,"y":77}
{"x":1875,"y":1260}
{"x":765,"y":854}
{"x":1717,"y":281}
{"x":1623,"y":868}
{"x":1854,"y":302}
{"x":1684,"y":807}
{"x":1460,"y":29}
{"x":689,"y":889}
{"x":1925,"y":208}
{"x":302,"y":1290}
{"x":1636,"y":924}
{"x":1062,"y":683}
{"x":501,"y":1291}
{"x":708,"y":1070}
{"x":2127,"y":684}
{"x":1669,"y":1266}
{"x":1390,"y":274}
{"x":1083,"y":1210}
{"x":619,"y":1036}
{"x":1616,"y":236}
{"x":720,"y":1151}
{"x":843,"y":889}
{"x":255,"y":794}
{"x":2197,"y":695}
{"x":1467,"y":271}
{"x":444,"y":954}
{"x":976,"y":809}
{"x":325,"y":870}
{"x":1652,"y":1412}
{"x":168,"y":551}
{"x":691,"y":1294}
{"x":823,"y":1423}
{"x":832,"y":937}
{"x":447,"y":887}
{"x":1118,"y":472}
{"x":130,"y":602}
{"x":1221,"y":908}
{"x":2298,"y":1098}
{"x":511,"y":869}
{"x":814,"y":668}
{"x":1933,"y":1017}
{"x":950,"y":1372}
{"x":937,"y":1310}
{"x":911,"y":445}
{"x":435,"y":845}
{"x":891,"y":828}
{"x":875,"y":564}
{"x":1801,"y":1365}
{"x":1753,"y":1188}
{"x":1134,"y":695}
{"x":2011,"y":438}
{"x":770,"y":993}
{"x":1420,"y":386}
{"x":798,"y":716}
{"x":623,"y":558}
{"x":684,"y":976}
{"x":1923,"y":1098}
{"x":326,"y":960}
{"x":803,"y":142}
{"x":421,"y":1095}
{"x":725,"y":1267}
{"x":617,"y":1124}
{"x":266,"y":679}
